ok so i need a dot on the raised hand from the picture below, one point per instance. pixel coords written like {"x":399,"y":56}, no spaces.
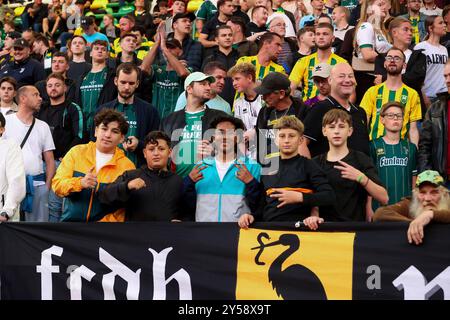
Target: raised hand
{"x":196,"y":173}
{"x":243,"y":174}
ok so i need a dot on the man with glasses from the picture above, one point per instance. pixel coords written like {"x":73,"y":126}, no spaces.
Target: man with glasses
{"x":23,"y":68}
{"x":394,"y":157}
{"x":393,"y":89}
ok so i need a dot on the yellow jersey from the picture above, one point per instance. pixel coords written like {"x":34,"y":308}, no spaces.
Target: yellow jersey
{"x":302,"y":73}
{"x":376,"y":96}
{"x":261,"y":71}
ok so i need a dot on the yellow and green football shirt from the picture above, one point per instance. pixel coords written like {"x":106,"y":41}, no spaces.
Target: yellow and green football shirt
{"x":415,"y":29}
{"x":302,"y":73}
{"x":378,"y":95}
{"x":261,"y":71}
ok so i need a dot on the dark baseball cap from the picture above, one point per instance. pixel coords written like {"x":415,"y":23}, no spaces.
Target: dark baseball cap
{"x":86,"y":21}
{"x":272,"y":82}
{"x":189,"y":15}
{"x":21,"y":43}
{"x":13,"y":35}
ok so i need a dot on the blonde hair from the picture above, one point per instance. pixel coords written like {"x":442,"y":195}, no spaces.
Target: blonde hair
{"x":290,"y":122}
{"x":245,"y":68}
{"x":378,"y":25}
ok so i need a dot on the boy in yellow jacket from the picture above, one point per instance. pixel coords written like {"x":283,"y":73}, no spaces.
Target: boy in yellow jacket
{"x":87,"y":168}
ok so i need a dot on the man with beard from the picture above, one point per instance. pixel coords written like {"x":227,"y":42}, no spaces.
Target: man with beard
{"x":60,"y":64}
{"x":141,"y":116}
{"x":65,"y":120}
{"x":187,"y":126}
{"x":224,"y":14}
{"x":216,"y":102}
{"x":264,"y":61}
{"x":35,"y":139}
{"x":301,"y":75}
{"x":430,"y":202}
{"x":393,"y":89}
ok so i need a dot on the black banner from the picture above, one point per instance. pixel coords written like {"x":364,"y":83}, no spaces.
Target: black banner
{"x":203,"y":261}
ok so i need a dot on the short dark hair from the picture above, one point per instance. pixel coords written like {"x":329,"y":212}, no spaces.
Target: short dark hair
{"x":445,"y":10}
{"x":240,"y":22}
{"x":222,"y":2}
{"x":324,"y":15}
{"x":304,"y":30}
{"x":41,"y":38}
{"x":128,"y":68}
{"x":237,"y":123}
{"x":154,"y":136}
{"x":267,"y":37}
{"x":213,"y":65}
{"x":141,"y":29}
{"x":128,"y":34}
{"x":397,"y":49}
{"x":256,"y":8}
{"x":56,"y":75}
{"x":61,"y":54}
{"x":2,"y":120}
{"x":79,"y":36}
{"x":102,"y":43}
{"x":216,"y":32}
{"x":325,"y":25}
{"x":10,"y":80}
{"x":106,"y":116}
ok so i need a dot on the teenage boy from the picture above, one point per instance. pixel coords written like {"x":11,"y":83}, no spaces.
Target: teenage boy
{"x":350,"y":173}
{"x":249,"y":103}
{"x":296,"y":186}
{"x":225,"y":186}
{"x":151,"y":192}
{"x":87,"y":168}
{"x":395,"y":158}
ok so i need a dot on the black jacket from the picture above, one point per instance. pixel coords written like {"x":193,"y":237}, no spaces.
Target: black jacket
{"x":26,"y":72}
{"x":160,"y":200}
{"x":432,"y":152}
{"x":177,"y":120}
{"x":192,"y":52}
{"x":147,"y":120}
{"x":296,"y":172}
{"x":66,"y":124}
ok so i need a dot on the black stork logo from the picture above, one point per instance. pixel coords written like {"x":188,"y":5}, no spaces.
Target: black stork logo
{"x":296,"y":282}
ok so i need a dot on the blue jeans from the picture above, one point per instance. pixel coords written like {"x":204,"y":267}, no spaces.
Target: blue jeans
{"x":55,"y":203}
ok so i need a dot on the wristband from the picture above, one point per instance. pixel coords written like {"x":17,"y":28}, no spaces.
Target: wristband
{"x":359,"y":179}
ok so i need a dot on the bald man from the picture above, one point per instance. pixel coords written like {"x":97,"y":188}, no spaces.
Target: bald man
{"x":36,"y":148}
{"x":343,"y":83}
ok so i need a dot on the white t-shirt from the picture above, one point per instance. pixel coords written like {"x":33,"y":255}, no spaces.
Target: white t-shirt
{"x":39,"y":141}
{"x":101,"y":159}
{"x":367,"y":37}
{"x":437,"y":57}
{"x":4,"y":110}
{"x":431,"y":12}
{"x":247,"y":110}
{"x":222,"y":168}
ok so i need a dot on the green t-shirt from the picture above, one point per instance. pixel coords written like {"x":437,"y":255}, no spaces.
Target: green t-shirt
{"x":186,"y":150}
{"x":167,"y":86}
{"x":90,"y":89}
{"x":129,"y":113}
{"x":396,"y":164}
{"x":206,"y":11}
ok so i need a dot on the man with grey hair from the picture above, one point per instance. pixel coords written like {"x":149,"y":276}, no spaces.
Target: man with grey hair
{"x":430,"y":202}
